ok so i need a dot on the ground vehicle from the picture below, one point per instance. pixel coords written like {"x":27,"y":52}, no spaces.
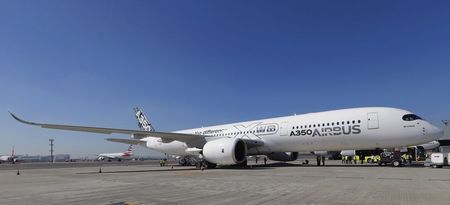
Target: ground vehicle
{"x":390,"y":158}
{"x":372,"y":159}
{"x":437,"y":160}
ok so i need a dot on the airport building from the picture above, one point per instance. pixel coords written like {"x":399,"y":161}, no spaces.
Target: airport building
{"x":44,"y":158}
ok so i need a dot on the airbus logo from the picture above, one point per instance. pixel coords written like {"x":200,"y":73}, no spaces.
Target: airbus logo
{"x":256,"y":129}
{"x":328,"y":131}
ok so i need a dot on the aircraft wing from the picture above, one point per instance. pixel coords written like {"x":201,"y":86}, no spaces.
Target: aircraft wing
{"x":190,"y":139}
{"x":194,"y":140}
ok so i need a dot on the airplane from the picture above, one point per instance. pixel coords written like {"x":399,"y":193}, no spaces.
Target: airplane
{"x":9,"y":158}
{"x":281,"y":138}
{"x":117,"y":156}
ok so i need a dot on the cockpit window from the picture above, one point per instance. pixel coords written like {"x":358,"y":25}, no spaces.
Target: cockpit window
{"x":411,"y":117}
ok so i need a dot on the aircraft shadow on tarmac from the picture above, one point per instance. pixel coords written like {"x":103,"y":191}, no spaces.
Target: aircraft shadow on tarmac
{"x":250,"y":167}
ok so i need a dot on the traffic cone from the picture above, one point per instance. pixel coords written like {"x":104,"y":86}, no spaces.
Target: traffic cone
{"x":18,"y":172}
{"x":100,"y":170}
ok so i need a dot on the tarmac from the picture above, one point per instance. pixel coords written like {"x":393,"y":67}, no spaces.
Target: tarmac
{"x":276,"y":183}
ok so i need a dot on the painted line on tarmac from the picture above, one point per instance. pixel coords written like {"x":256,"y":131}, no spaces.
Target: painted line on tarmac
{"x":394,"y":178}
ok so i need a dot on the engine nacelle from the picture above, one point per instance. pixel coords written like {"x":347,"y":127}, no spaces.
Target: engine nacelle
{"x":320,"y":153}
{"x":283,"y":156}
{"x":225,"y":151}
{"x":348,"y":152}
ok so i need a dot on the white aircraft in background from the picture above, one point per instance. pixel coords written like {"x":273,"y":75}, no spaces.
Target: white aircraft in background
{"x":117,"y":156}
{"x":8,"y":158}
{"x":281,"y":138}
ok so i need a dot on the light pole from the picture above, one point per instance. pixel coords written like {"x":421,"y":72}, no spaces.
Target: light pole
{"x":51,"y":149}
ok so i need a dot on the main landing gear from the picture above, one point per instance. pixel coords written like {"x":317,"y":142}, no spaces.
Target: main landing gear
{"x":320,"y":159}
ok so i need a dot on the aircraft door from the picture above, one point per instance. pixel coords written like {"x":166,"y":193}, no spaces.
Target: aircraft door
{"x":372,"y":120}
{"x":284,"y":128}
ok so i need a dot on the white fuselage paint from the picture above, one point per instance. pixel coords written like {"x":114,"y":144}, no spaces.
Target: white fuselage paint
{"x":120,"y":155}
{"x":5,"y":158}
{"x":346,"y":129}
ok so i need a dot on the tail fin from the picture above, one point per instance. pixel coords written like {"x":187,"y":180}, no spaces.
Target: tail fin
{"x":12,"y":152}
{"x":143,"y":121}
{"x":130,"y":149}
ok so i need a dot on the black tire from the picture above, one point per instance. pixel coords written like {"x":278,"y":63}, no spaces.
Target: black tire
{"x":209,"y":165}
{"x":396,"y":163}
{"x":243,"y":164}
{"x":369,"y":161}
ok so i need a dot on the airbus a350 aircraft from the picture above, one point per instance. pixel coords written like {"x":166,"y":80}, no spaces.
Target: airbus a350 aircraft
{"x":117,"y":156}
{"x":282,"y":138}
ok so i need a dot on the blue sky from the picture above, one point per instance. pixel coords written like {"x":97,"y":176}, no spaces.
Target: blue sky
{"x":197,"y":63}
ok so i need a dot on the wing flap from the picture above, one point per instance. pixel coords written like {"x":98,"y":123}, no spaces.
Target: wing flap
{"x":127,"y":141}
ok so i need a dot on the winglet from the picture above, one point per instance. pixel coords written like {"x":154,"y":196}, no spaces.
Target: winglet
{"x":23,"y":121}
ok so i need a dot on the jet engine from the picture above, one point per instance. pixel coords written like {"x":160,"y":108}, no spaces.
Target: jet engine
{"x":225,"y":151}
{"x":348,"y":152}
{"x":283,"y":156}
{"x":320,"y":153}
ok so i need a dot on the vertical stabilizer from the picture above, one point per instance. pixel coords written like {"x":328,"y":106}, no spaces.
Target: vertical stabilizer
{"x":130,"y":150}
{"x":143,"y":121}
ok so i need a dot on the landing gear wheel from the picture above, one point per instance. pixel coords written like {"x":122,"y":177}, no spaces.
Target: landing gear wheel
{"x":209,"y":165}
{"x":243,"y":164}
{"x":396,"y":163}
